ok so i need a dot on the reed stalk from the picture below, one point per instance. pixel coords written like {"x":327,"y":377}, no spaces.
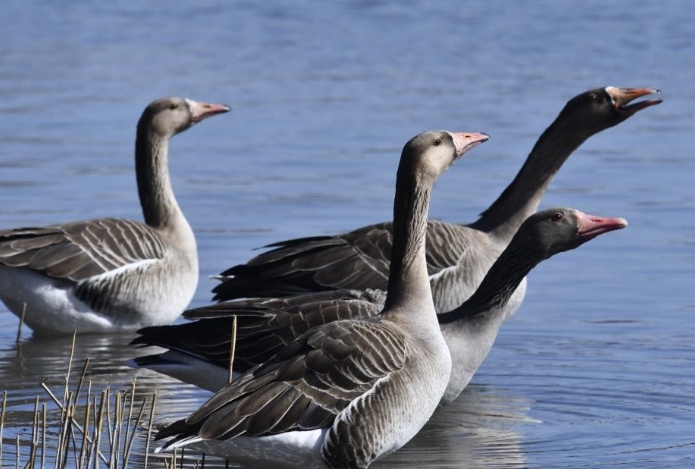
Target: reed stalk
{"x":106,"y":431}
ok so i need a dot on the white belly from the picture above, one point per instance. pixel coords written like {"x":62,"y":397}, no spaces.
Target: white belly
{"x":52,"y":308}
{"x":50,"y":304}
{"x":298,"y":449}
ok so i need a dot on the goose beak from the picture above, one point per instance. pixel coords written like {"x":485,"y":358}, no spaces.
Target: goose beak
{"x":623,"y":96}
{"x":202,"y":111}
{"x":590,"y":226}
{"x":464,"y":141}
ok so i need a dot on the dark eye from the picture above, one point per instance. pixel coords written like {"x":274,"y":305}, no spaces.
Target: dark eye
{"x":557,"y":216}
{"x":437,"y":142}
{"x":593,"y":97}
{"x":173,"y":106}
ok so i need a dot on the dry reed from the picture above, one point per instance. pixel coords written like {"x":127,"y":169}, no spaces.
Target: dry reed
{"x":106,"y":432}
{"x":103,"y":437}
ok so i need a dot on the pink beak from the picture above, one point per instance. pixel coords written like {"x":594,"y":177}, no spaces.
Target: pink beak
{"x":202,"y":111}
{"x":464,"y":141}
{"x":623,"y":96}
{"x":591,"y":226}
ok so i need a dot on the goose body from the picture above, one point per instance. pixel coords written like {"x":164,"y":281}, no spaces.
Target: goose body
{"x":107,"y":289}
{"x":458,"y":256}
{"x":346,"y":393}
{"x":111,"y":274}
{"x":199,"y":351}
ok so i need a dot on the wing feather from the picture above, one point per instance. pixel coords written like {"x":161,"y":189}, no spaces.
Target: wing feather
{"x":80,"y":250}
{"x":305,"y":386}
{"x":263,"y":326}
{"x":356,"y":260}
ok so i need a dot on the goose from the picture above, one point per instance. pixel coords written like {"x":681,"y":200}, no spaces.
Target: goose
{"x":458,"y":256}
{"x":348,"y":392}
{"x":109,"y":274}
{"x":199,"y":351}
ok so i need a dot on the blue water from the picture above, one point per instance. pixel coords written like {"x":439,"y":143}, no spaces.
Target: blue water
{"x":598,"y":366}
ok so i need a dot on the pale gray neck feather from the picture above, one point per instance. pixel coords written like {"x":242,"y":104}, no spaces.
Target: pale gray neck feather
{"x":521,"y":198}
{"x":159,"y":206}
{"x":409,"y":287}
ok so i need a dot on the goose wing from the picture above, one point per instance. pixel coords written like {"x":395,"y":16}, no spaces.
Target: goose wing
{"x":356,"y":260}
{"x":264,"y":326}
{"x":80,"y":250}
{"x":305,"y":386}
{"x":91,"y":255}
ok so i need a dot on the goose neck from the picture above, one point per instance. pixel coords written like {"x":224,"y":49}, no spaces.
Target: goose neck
{"x":159,"y":206}
{"x":521,"y":198}
{"x":497,"y":287}
{"x":409,"y":287}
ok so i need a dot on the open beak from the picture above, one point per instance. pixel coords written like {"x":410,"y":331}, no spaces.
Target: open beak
{"x":590,"y":226}
{"x":464,"y":141}
{"x":623,"y":96}
{"x":202,"y":111}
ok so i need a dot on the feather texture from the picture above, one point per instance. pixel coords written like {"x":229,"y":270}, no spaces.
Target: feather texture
{"x":367,"y":384}
{"x":458,"y":256}
{"x":111,"y":274}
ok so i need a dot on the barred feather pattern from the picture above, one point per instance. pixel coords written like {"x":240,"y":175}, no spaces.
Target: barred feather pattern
{"x":457,"y":256}
{"x":118,"y":268}
{"x":360,"y":260}
{"x":263,"y":326}
{"x":80,"y":250}
{"x":304,"y":386}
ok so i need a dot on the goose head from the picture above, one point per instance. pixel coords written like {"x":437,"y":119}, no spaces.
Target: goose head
{"x":170,"y":116}
{"x":601,"y":108}
{"x":433,"y":152}
{"x":555,"y":230}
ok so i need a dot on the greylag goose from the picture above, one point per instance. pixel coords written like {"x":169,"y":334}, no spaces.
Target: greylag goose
{"x":458,"y":256}
{"x":199,"y":351}
{"x":111,"y":274}
{"x":348,"y":392}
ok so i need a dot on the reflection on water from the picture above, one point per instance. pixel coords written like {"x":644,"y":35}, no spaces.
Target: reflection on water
{"x":597,"y":366}
{"x":25,"y":366}
{"x":478,"y":429}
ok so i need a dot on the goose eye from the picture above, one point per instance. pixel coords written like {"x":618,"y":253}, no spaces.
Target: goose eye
{"x":437,"y":142}
{"x":173,"y":106}
{"x":557,"y":216}
{"x":593,"y":97}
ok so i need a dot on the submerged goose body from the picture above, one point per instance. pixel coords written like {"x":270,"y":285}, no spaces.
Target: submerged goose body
{"x":199,"y":351}
{"x":111,"y":274}
{"x":458,"y":256}
{"x":346,"y":393}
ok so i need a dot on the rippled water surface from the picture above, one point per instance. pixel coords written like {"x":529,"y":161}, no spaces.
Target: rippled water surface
{"x":596,"y":369}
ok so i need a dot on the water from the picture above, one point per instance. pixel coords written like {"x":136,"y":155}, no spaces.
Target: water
{"x":597,"y":367}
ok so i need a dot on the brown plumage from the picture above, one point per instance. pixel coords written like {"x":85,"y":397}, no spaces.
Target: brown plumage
{"x":367,"y":385}
{"x":458,"y":256}
{"x":112,"y":274}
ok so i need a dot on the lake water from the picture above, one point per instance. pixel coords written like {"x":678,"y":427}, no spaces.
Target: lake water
{"x":597,"y":369}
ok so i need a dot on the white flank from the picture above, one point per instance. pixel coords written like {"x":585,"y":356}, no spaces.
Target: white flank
{"x":298,"y":449}
{"x":189,"y":369}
